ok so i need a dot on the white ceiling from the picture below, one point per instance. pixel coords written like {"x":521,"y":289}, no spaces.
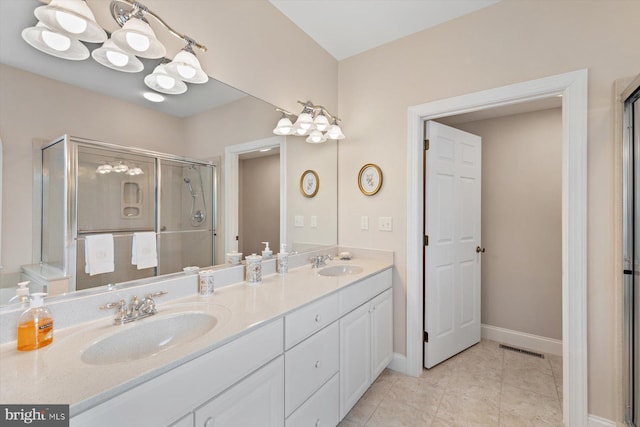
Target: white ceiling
{"x":348,"y":27}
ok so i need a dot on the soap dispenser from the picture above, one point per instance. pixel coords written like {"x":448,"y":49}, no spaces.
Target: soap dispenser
{"x":283,"y":259}
{"x":35,"y":326}
{"x":22,"y":293}
{"x":266,"y":253}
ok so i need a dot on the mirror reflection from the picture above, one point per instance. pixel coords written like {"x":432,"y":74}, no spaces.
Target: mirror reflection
{"x":46,"y":97}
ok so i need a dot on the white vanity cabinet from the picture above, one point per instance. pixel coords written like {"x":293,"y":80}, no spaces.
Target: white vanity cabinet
{"x":255,"y":401}
{"x":366,"y":348}
{"x":305,"y":368}
{"x":311,"y":365}
{"x":169,"y":397}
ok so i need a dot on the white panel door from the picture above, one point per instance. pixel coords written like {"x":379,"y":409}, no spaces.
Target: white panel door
{"x":452,"y":257}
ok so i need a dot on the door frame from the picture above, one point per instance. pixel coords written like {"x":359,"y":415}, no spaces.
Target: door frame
{"x":573,"y":88}
{"x":231,"y":182}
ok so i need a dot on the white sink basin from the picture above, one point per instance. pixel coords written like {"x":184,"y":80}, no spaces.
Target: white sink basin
{"x":340,"y":270}
{"x":148,"y":337}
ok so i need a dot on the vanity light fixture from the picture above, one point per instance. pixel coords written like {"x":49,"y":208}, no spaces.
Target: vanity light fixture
{"x":104,"y":169}
{"x":64,"y":24}
{"x":110,"y":55}
{"x":160,"y":80}
{"x":314,"y":121}
{"x":120,"y":167}
{"x":135,"y":170}
{"x":186,"y":66}
{"x":72,"y":18}
{"x":54,"y":43}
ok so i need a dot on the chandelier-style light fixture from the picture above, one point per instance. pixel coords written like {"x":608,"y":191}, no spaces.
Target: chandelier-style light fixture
{"x":314,"y":122}
{"x":64,"y":24}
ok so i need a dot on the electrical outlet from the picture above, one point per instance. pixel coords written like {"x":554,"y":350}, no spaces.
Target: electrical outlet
{"x":298,"y":221}
{"x":314,"y":221}
{"x":385,"y":223}
{"x":364,"y":223}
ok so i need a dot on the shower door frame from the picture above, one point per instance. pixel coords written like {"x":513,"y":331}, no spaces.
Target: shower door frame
{"x":631,"y":310}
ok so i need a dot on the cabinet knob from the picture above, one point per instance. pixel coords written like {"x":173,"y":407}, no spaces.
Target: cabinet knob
{"x":318,"y":422}
{"x":318,"y":318}
{"x":209,"y":422}
{"x":317,"y":365}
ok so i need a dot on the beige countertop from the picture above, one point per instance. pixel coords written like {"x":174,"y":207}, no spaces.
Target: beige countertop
{"x":57,"y":374}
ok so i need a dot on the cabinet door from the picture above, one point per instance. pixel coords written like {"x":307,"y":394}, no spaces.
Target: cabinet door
{"x":258,"y":400}
{"x":381,"y":333}
{"x":355,"y":357}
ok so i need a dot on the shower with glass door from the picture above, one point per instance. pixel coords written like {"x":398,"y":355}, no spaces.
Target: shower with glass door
{"x":90,"y":188}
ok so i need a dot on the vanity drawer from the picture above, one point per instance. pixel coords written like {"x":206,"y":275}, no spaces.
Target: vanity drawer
{"x":309,"y":319}
{"x":309,"y":365}
{"x":321,"y":410}
{"x":357,"y":294}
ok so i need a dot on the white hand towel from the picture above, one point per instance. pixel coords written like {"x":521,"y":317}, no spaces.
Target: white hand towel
{"x":98,"y":254}
{"x":143,"y":250}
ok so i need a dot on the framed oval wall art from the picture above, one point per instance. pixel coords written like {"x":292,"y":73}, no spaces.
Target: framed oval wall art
{"x":370,"y":179}
{"x":309,"y":183}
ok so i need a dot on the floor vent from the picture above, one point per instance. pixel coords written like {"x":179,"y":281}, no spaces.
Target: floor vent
{"x":520,"y":350}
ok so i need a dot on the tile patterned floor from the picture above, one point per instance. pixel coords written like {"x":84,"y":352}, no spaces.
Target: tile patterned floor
{"x":482,"y":386}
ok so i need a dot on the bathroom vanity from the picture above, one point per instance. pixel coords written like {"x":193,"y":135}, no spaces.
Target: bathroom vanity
{"x":299,"y":349}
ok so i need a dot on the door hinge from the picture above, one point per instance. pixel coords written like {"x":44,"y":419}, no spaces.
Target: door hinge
{"x":426,"y":240}
{"x":426,"y":336}
{"x":426,"y":144}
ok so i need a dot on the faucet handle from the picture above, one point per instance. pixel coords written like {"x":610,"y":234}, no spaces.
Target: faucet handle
{"x":156,"y":294}
{"x":120,"y":313}
{"x":119,"y":305}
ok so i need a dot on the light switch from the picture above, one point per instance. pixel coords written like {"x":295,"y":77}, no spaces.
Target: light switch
{"x":314,"y":221}
{"x":364,"y":223}
{"x":385,"y":223}
{"x":298,"y":221}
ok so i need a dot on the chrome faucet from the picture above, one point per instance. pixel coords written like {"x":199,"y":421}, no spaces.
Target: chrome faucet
{"x":319,"y":261}
{"x":136,"y":309}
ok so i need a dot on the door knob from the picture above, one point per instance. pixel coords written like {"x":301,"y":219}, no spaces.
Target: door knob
{"x":479,"y":249}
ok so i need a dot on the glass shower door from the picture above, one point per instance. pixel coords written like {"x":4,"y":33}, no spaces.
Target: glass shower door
{"x":116,"y":195}
{"x":186,"y":218}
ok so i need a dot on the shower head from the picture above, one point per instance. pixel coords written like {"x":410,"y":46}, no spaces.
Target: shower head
{"x":188,"y":182}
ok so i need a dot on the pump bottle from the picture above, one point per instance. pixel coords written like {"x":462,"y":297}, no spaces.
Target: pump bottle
{"x":35,"y":326}
{"x":22,"y":294}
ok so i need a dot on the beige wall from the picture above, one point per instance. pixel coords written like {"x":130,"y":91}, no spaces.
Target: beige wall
{"x":522,"y":221}
{"x":509,"y":42}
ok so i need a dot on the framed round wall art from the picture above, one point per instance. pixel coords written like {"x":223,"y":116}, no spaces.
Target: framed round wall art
{"x":370,"y":179}
{"x":309,"y":183}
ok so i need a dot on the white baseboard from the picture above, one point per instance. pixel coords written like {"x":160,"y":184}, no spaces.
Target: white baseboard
{"x":596,"y":421}
{"x":399,"y":363}
{"x":522,"y":340}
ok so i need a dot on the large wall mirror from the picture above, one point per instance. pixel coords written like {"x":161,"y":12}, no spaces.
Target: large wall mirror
{"x":44,"y":97}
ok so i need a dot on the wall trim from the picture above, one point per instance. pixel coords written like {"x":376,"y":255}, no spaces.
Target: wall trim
{"x":522,"y":340}
{"x":573,"y":87}
{"x":596,"y":421}
{"x":398,"y":363}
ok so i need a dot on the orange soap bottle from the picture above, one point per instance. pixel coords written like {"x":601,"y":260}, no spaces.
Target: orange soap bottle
{"x":35,"y":327}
